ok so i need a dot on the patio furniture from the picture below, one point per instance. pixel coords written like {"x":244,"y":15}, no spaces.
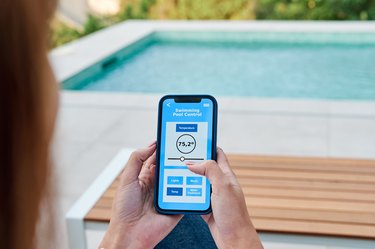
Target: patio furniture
{"x":298,"y":195}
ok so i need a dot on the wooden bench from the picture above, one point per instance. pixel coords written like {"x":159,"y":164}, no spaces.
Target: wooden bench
{"x":319,"y":196}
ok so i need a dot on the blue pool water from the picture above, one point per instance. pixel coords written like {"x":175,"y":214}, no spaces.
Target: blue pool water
{"x":319,"y":66}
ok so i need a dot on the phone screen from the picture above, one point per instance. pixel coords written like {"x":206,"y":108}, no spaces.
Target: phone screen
{"x":186,"y":135}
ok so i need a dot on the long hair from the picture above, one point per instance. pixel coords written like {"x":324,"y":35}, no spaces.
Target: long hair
{"x":24,"y":132}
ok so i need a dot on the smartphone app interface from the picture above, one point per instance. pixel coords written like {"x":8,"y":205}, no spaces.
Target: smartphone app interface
{"x":186,"y":136}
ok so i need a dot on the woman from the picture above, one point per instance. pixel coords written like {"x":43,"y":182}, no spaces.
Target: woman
{"x":28,"y":107}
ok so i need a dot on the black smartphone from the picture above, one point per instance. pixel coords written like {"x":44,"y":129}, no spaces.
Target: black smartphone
{"x":186,"y":132}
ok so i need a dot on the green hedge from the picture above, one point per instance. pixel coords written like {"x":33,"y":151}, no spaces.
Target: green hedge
{"x":211,"y":9}
{"x":315,"y":9}
{"x":62,"y":33}
{"x":222,"y":9}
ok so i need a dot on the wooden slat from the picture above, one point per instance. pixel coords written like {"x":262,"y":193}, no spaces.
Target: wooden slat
{"x":99,"y":214}
{"x":110,"y":193}
{"x":312,"y":215}
{"x":336,"y":177}
{"x":301,"y":160}
{"x":309,"y":194}
{"x":316,"y":184}
{"x":310,"y":227}
{"x":310,"y":204}
{"x":305,"y":168}
{"x":297,"y":195}
{"x":104,"y":203}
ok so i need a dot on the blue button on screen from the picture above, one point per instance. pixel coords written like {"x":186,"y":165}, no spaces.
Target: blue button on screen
{"x":193,"y":192}
{"x":194,"y":180}
{"x":178,"y":180}
{"x":186,"y":127}
{"x":174,"y":191}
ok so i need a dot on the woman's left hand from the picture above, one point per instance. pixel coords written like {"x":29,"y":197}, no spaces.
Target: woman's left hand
{"x":134,"y":222}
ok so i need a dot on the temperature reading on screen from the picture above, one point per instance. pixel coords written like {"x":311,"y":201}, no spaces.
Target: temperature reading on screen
{"x":186,"y":143}
{"x":183,"y":144}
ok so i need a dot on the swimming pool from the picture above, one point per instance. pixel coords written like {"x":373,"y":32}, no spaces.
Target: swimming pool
{"x":260,"y":64}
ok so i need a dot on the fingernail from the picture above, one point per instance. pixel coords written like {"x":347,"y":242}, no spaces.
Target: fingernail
{"x":152,"y":144}
{"x":190,"y":163}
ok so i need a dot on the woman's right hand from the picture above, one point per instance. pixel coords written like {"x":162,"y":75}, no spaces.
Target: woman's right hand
{"x":229,"y":222}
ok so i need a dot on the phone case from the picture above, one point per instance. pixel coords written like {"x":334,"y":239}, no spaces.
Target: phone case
{"x":214,"y":137}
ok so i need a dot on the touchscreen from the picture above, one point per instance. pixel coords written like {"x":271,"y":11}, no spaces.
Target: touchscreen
{"x":186,"y":136}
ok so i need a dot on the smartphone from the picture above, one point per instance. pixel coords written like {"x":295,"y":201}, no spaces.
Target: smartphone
{"x":186,"y":132}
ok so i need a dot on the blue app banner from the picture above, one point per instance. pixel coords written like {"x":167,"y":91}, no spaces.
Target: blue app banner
{"x":186,"y":127}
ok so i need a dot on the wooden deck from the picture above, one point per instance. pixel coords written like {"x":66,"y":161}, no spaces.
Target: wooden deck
{"x":297,"y":195}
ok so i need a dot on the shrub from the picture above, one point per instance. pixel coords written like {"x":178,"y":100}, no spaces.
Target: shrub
{"x":62,"y":33}
{"x":136,"y":10}
{"x":316,"y":9}
{"x":223,"y":9}
{"x":92,"y":25}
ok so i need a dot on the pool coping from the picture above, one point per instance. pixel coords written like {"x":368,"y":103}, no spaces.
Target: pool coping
{"x":78,"y":55}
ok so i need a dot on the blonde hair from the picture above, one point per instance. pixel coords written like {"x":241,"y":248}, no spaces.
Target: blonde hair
{"x":24,"y":138}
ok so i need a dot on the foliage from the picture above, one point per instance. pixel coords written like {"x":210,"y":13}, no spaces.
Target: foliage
{"x":208,"y":9}
{"x":222,"y":9}
{"x":62,"y":33}
{"x":136,"y":10}
{"x":316,"y":9}
{"x":92,"y":25}
{"x":251,"y":9}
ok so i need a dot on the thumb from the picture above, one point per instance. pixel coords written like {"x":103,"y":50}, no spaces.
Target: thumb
{"x":135,"y":163}
{"x":209,"y":169}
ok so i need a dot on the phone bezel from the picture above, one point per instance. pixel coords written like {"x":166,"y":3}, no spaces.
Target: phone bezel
{"x":183,"y":99}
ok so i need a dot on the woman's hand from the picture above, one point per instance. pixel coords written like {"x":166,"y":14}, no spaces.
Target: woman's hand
{"x":134,"y":222}
{"x":229,"y":222}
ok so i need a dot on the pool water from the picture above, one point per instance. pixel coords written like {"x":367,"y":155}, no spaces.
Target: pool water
{"x":286,"y":65}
